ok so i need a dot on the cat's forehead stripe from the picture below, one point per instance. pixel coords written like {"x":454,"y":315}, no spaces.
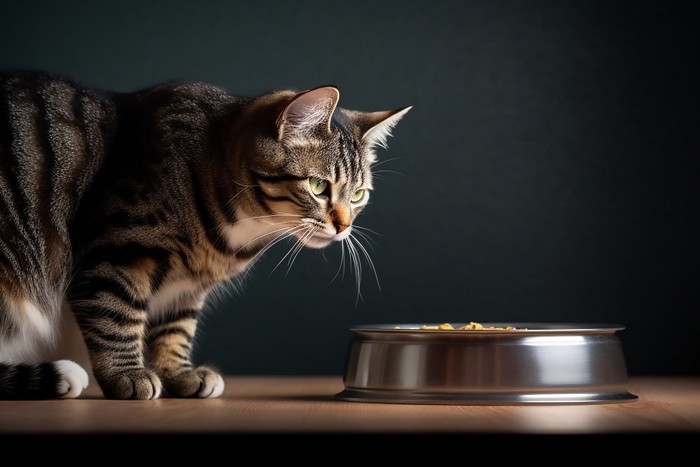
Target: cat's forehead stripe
{"x":349,"y":156}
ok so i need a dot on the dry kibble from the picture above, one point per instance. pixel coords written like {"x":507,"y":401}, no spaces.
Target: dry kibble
{"x":472,"y":326}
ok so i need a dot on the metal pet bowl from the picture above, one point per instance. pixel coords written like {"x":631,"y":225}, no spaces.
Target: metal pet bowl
{"x":536,"y":363}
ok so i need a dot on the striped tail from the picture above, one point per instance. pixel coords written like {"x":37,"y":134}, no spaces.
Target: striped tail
{"x":60,"y":379}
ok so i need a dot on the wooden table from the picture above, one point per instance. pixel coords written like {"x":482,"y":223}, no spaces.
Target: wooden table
{"x":305,"y":404}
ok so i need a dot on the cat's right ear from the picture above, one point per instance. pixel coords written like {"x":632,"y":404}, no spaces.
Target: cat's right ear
{"x":307,"y":113}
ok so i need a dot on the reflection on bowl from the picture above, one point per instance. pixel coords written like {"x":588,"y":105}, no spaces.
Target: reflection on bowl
{"x":534,"y":363}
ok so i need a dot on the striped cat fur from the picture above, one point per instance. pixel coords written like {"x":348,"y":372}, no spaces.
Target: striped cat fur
{"x":129,"y":209}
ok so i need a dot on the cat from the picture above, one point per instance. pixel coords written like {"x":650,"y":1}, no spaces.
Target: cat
{"x":128,"y":209}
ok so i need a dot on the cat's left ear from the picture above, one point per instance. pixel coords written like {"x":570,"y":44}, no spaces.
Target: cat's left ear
{"x":376,"y":127}
{"x":308,"y":112}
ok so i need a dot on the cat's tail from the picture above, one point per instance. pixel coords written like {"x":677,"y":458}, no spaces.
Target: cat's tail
{"x":62,"y":378}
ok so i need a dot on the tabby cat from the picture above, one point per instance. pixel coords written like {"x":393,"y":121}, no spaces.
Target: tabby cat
{"x":128,"y":209}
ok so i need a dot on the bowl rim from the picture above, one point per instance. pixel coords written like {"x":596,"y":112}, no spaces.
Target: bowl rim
{"x":521,"y":328}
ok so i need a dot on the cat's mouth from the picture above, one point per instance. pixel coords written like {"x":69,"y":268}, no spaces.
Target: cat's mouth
{"x":322,"y":236}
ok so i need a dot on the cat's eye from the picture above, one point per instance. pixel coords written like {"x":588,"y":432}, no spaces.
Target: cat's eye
{"x":318,"y":186}
{"x":358,"y":195}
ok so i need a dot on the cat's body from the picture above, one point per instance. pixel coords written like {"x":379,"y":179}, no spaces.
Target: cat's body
{"x":130,"y":208}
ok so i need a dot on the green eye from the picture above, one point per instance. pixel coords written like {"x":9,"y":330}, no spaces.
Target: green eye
{"x":318,"y":186}
{"x":358,"y":195}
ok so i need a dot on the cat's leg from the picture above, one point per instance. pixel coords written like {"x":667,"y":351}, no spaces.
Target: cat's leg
{"x":112,"y":318}
{"x":60,"y":379}
{"x":27,"y":334}
{"x":170,"y":347}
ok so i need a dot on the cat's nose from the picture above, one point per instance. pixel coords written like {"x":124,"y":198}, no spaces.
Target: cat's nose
{"x":340,"y":216}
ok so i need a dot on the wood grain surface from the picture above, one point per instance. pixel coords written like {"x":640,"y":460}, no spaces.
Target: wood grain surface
{"x":307,"y":404}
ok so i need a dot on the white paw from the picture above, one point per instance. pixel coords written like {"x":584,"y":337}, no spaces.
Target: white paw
{"x":218,"y":389}
{"x":73,"y":379}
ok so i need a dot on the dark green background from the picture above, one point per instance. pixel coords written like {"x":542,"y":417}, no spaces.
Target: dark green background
{"x":548,"y":171}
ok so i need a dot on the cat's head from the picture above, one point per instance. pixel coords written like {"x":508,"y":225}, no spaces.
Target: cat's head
{"x":312,"y":173}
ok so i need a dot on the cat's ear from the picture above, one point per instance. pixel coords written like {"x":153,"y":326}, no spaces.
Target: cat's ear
{"x":376,"y":127}
{"x":308,"y":112}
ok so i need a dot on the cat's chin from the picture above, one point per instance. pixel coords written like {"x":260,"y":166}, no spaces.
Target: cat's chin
{"x":322,"y":240}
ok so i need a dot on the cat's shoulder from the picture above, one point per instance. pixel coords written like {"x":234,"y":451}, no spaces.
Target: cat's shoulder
{"x":188,"y":88}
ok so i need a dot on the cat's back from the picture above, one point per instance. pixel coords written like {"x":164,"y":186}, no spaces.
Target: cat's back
{"x":54,"y":133}
{"x":46,"y":102}
{"x":54,"y":136}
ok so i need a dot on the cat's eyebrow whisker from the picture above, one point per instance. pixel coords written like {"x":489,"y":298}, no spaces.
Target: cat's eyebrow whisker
{"x":386,"y":171}
{"x":376,"y":173}
{"x":233,"y":198}
{"x":251,"y":186}
{"x":240,"y":192}
{"x":384,"y":161}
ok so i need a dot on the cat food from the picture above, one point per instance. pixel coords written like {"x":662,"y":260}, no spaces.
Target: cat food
{"x":472,"y":326}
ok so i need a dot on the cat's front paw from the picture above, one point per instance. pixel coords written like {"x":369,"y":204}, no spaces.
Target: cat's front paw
{"x":195,"y":382}
{"x":72,"y":379}
{"x":139,"y":384}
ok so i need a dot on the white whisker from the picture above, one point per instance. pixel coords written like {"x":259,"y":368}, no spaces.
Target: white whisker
{"x":357,"y":266}
{"x":289,"y":233}
{"x":377,"y":173}
{"x":366,"y":229}
{"x":283,"y":229}
{"x":301,"y":246}
{"x":365,"y":236}
{"x":266,"y":217}
{"x":385,"y":171}
{"x":384,"y":161}
{"x":240,"y":192}
{"x":368,"y":259}
{"x":341,"y":266}
{"x":252,"y":186}
{"x":299,"y":243}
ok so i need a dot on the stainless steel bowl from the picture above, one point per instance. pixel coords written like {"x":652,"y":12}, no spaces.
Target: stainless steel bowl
{"x":537,"y":363}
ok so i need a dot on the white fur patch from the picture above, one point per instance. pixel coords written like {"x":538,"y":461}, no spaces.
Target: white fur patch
{"x":36,"y":322}
{"x":218,"y":389}
{"x":73,"y":379}
{"x":37,"y":333}
{"x":172,"y":294}
{"x":247,"y":230}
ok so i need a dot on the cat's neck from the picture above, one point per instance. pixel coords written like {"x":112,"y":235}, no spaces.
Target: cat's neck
{"x":251,"y":234}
